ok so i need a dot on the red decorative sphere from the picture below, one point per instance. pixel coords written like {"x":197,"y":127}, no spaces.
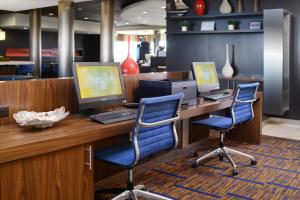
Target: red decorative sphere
{"x":129,"y":66}
{"x":200,"y":7}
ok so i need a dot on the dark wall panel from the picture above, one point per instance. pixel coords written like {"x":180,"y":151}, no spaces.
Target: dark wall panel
{"x":20,"y":39}
{"x":182,"y":50}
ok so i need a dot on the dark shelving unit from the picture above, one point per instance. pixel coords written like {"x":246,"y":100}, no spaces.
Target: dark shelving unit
{"x":216,"y":16}
{"x":215,"y":32}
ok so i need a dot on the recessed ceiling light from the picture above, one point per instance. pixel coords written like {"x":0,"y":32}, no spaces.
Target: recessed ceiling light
{"x":51,"y":14}
{"x":145,"y":21}
{"x":79,"y":9}
{"x":25,"y":28}
{"x":139,"y":17}
{"x":86,"y":18}
{"x":145,"y":12}
{"x":127,"y":23}
{"x":163,"y":7}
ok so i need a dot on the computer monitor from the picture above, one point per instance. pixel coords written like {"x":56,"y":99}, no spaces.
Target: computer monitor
{"x":206,"y":76}
{"x":98,"y":84}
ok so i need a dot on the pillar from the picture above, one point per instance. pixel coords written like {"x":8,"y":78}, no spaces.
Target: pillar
{"x":35,"y":39}
{"x":106,"y":31}
{"x":65,"y":37}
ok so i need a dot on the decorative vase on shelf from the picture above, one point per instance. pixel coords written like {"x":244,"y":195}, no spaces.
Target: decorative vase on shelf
{"x":199,"y":7}
{"x":225,"y":7}
{"x":227,"y":70}
{"x":240,"y":6}
{"x":129,"y":66}
{"x":256,"y":6}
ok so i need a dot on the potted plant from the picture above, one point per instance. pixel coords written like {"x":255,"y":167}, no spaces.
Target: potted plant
{"x":231,"y":24}
{"x":184,"y":25}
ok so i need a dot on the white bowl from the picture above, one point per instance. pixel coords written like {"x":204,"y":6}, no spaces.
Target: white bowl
{"x":41,"y":119}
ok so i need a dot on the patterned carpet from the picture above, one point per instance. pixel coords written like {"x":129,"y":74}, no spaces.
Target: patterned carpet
{"x":276,"y":176}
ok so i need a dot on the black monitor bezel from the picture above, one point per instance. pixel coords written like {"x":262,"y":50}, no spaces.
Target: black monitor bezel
{"x":97,"y":101}
{"x":207,"y":89}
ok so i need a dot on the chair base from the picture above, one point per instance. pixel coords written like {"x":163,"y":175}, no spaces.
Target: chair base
{"x":134,"y":194}
{"x":225,"y":152}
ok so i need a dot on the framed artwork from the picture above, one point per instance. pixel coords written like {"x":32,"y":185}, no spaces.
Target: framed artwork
{"x":208,"y":26}
{"x":255,"y":25}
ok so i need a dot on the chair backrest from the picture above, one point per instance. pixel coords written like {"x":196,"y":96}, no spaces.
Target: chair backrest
{"x":242,"y":106}
{"x":155,"y":129}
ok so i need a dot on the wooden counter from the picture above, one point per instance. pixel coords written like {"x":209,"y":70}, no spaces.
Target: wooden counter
{"x":19,"y":142}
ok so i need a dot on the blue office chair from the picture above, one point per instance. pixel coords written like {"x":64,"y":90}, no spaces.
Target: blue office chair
{"x":241,"y":112}
{"x":154,"y":131}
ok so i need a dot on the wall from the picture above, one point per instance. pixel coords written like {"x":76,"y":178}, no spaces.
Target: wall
{"x":20,"y":39}
{"x":248,"y":48}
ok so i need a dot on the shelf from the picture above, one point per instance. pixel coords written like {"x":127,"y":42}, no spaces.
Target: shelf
{"x":217,"y":16}
{"x":215,"y":32}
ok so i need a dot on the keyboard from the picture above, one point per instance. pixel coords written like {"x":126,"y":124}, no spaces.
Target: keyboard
{"x":218,"y":97}
{"x":114,"y":116}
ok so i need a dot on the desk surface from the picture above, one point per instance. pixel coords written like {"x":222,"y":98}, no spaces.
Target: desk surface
{"x":17,"y":142}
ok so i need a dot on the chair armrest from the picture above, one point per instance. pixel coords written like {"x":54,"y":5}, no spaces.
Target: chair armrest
{"x":248,"y":101}
{"x":159,"y":123}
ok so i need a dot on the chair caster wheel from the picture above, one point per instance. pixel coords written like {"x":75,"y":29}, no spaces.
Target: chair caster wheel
{"x":221,"y":158}
{"x":253,"y":162}
{"x":195,"y":154}
{"x":195,"y":165}
{"x":234,"y":172}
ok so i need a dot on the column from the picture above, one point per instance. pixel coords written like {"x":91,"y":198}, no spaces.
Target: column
{"x":106,"y":31}
{"x":35,"y":40}
{"x":156,"y":39}
{"x":65,"y":37}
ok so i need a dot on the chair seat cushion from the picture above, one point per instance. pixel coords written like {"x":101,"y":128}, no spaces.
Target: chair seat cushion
{"x":119,"y":154}
{"x":215,"y":122}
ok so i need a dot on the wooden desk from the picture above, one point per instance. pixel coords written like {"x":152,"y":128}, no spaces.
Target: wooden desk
{"x":56,"y":163}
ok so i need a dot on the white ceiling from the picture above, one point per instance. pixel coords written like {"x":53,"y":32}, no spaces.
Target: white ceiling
{"x":147,"y":12}
{"x":20,"y":5}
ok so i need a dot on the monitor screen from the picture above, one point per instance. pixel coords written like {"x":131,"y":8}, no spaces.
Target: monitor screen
{"x":98,"y":83}
{"x":206,"y":76}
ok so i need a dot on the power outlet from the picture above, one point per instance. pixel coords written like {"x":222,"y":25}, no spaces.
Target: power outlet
{"x":4,"y":111}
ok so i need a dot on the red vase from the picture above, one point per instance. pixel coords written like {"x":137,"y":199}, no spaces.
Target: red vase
{"x":200,"y":7}
{"x":129,"y":66}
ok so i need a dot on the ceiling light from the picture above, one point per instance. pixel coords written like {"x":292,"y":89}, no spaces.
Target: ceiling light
{"x":25,"y":28}
{"x":2,"y":35}
{"x":127,"y":23}
{"x":51,"y":14}
{"x":79,"y":9}
{"x":145,"y":21}
{"x":86,"y":18}
{"x":139,"y":17}
{"x":163,"y":7}
{"x":145,"y":12}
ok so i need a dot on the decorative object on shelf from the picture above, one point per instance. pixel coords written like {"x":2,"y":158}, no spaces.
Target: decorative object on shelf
{"x":240,"y":6}
{"x":184,"y":25}
{"x":225,"y":7}
{"x":227,"y":70}
{"x":255,"y":26}
{"x":2,"y":35}
{"x":199,"y":7}
{"x":40,"y":119}
{"x":231,"y":25}
{"x":180,"y":7}
{"x":208,"y":25}
{"x":129,"y":66}
{"x":256,"y":5}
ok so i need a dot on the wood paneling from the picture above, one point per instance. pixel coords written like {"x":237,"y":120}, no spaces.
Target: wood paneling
{"x":57,"y":175}
{"x":37,"y":95}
